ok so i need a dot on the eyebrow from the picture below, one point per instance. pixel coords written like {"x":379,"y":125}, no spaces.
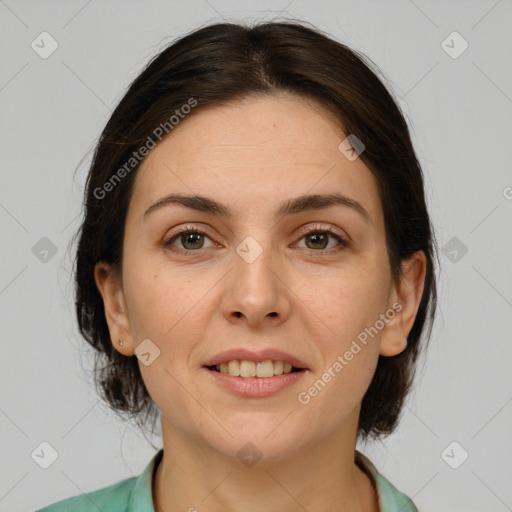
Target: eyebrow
{"x":290,"y":207}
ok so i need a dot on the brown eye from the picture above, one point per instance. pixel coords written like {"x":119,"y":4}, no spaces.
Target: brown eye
{"x":189,"y":239}
{"x":318,"y":240}
{"x":196,"y":240}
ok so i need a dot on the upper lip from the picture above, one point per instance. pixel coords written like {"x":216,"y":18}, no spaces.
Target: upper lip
{"x":269,"y":354}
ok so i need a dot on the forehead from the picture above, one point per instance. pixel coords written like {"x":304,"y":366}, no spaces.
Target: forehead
{"x":252,"y":153}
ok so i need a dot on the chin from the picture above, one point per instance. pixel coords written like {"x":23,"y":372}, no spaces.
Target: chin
{"x":264,"y":440}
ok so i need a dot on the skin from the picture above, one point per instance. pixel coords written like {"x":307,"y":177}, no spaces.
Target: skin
{"x":251,"y":155}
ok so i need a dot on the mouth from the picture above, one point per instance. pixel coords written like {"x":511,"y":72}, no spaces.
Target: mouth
{"x":254,"y":379}
{"x":254,"y":369}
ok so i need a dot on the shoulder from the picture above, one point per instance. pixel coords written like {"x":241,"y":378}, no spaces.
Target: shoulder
{"x":115,"y":497}
{"x":130,"y":495}
{"x":390,"y":498}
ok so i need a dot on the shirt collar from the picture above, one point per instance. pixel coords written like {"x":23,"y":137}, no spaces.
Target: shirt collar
{"x":388,"y":496}
{"x":141,"y":499}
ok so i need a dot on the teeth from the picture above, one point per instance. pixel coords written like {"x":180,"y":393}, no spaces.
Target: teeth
{"x":263,"y":369}
{"x":247,"y":369}
{"x":233,"y":368}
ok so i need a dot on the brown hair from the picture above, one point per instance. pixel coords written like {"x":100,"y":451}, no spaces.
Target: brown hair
{"x":223,"y":62}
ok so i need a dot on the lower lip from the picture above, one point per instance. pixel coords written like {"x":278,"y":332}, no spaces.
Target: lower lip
{"x":255,"y":387}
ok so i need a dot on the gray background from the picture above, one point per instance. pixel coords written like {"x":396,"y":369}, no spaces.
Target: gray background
{"x":459,"y":110}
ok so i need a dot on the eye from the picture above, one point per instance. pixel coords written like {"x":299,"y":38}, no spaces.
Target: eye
{"x":317,"y":239}
{"x":191,"y":238}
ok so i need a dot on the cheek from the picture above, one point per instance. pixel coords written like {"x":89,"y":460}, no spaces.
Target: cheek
{"x":159,"y":296}
{"x":155,"y":303}
{"x":350,"y":302}
{"x":342,"y":395}
{"x":171,"y":309}
{"x":164,"y":310}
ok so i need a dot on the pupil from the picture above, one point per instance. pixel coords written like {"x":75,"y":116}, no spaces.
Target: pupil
{"x":319,"y":235}
{"x":186,"y":238}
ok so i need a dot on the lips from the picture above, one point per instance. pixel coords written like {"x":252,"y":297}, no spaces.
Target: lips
{"x":262,"y":355}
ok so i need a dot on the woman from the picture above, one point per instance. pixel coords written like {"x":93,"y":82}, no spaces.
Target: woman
{"x":256,"y":266}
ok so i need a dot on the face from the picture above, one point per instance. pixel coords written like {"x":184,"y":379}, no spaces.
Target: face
{"x":306,"y":281}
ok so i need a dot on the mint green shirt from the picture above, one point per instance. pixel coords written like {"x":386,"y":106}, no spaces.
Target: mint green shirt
{"x":134,"y":494}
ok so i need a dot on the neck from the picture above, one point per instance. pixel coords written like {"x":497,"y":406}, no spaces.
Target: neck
{"x":321,"y":477}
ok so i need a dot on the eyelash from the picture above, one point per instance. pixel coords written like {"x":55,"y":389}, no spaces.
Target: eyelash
{"x":343,"y":243}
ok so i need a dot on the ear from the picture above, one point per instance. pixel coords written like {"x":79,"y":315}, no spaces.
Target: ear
{"x":110,"y":287}
{"x":406,"y":297}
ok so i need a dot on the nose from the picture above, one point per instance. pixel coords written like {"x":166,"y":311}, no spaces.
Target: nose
{"x":256,"y":292}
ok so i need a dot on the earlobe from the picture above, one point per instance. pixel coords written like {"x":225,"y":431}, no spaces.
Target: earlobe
{"x":393,"y":347}
{"x":110,"y":288}
{"x":408,"y":295}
